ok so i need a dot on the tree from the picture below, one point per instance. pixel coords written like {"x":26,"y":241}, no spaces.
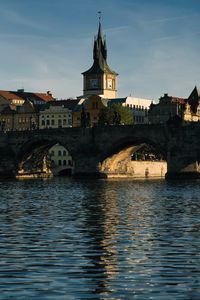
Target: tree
{"x":116,"y":114}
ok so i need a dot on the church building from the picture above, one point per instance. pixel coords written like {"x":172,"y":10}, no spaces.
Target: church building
{"x":100,"y":79}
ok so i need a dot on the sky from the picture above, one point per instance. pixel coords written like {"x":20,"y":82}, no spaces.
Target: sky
{"x":154,"y":45}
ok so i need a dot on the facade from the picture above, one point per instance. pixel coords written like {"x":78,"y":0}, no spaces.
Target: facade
{"x":168,"y":107}
{"x":189,"y":115}
{"x":55,"y":116}
{"x":87,"y":111}
{"x":61,"y":160}
{"x":24,"y":118}
{"x":100,"y":79}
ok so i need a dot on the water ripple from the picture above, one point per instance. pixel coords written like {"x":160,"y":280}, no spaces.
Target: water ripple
{"x":67,"y":239}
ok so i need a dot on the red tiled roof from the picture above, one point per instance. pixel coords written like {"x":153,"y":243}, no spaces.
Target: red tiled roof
{"x":9,"y":95}
{"x":45,"y":96}
{"x":177,"y":99}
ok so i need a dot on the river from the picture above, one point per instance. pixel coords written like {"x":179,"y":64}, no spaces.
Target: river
{"x":99,"y":239}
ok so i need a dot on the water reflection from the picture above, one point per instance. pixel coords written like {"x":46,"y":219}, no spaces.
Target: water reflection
{"x":67,"y":239}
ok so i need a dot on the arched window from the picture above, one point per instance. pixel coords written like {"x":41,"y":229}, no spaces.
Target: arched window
{"x":60,"y":162}
{"x":64,"y":162}
{"x":64,"y":153}
{"x":59,"y":153}
{"x":52,"y":153}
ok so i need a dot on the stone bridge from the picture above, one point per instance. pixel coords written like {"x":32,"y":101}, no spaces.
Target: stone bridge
{"x":92,"y":148}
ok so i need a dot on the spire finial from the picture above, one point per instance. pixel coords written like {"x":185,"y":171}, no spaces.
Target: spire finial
{"x":99,"y":13}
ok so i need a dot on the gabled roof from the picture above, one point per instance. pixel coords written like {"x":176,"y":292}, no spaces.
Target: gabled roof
{"x":10,"y":95}
{"x":45,"y":96}
{"x":34,"y":97}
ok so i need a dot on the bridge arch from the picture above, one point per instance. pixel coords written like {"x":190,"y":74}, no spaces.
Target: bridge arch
{"x":34,"y":159}
{"x":134,"y":157}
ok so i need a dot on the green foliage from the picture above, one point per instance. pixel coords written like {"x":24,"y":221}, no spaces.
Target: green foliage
{"x":116,"y":114}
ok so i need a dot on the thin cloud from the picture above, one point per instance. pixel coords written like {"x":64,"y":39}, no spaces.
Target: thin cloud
{"x":169,"y":19}
{"x":12,"y":16}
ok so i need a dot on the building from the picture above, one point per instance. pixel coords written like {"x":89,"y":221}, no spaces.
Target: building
{"x":100,"y":79}
{"x":86,"y":113}
{"x":19,"y":110}
{"x":17,"y":98}
{"x":61,"y":160}
{"x":138,"y":106}
{"x":24,"y":117}
{"x":188,"y":110}
{"x":8,"y":98}
{"x":168,"y":107}
{"x":57,"y":114}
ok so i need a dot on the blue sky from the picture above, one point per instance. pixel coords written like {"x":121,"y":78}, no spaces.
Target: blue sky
{"x":154,"y":45}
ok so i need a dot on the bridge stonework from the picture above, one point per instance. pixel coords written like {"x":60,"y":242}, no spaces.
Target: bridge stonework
{"x":90,"y":147}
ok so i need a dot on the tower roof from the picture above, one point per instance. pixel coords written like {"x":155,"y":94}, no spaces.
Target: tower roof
{"x":100,"y":65}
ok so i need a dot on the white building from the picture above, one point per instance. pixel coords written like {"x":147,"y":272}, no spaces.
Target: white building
{"x":138,"y":106}
{"x":55,"y":117}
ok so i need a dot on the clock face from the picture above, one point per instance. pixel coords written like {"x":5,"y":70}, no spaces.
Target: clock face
{"x":93,"y":83}
{"x":109,"y":83}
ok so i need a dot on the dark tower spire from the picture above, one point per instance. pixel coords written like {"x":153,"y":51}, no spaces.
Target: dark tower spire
{"x":100,"y":53}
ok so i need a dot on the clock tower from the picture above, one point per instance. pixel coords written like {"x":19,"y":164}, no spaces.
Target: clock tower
{"x":100,"y":79}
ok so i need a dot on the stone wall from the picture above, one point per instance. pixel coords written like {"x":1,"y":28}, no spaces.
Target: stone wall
{"x":139,"y":169}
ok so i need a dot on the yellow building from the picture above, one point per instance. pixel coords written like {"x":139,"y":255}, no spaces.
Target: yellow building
{"x":86,"y":113}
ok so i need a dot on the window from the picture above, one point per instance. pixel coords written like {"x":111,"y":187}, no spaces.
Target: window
{"x":52,"y":153}
{"x":60,"y":162}
{"x":69,"y":162}
{"x":64,"y":162}
{"x":43,"y":122}
{"x":48,"y":122}
{"x":64,"y":153}
{"x":59,"y":153}
{"x":52,"y":122}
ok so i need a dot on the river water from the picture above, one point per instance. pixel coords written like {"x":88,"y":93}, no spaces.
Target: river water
{"x":99,"y":239}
